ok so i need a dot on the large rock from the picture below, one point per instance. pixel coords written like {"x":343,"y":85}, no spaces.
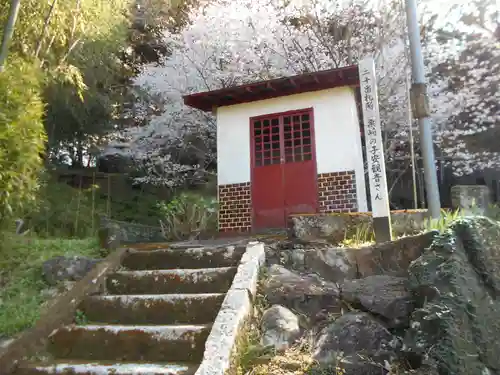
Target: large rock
{"x":286,"y":253}
{"x":357,"y":343}
{"x":382,"y":295}
{"x":390,"y":258}
{"x":63,"y":268}
{"x":280,"y":328}
{"x":457,"y":283}
{"x":332,"y":264}
{"x":5,"y":342}
{"x":307,"y":294}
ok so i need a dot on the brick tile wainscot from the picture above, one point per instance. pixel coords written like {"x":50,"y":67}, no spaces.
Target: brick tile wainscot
{"x":235,"y":210}
{"x":337,"y":192}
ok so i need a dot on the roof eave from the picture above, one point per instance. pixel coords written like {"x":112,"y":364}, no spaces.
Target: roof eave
{"x":286,"y":86}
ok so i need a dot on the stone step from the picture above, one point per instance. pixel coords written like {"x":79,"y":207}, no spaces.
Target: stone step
{"x":153,"y":309}
{"x":184,"y":343}
{"x":103,"y":368}
{"x":201,"y":280}
{"x":183,"y":258}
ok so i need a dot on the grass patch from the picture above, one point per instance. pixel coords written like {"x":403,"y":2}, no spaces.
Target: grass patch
{"x":250,"y":351}
{"x":21,"y":282}
{"x":294,"y":361}
{"x":297,"y":360}
{"x":445,"y":219}
{"x":362,"y":236}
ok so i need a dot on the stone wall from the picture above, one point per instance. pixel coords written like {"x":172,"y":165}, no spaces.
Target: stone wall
{"x":353,"y":304}
{"x":114,"y":233}
{"x":335,"y":227}
{"x":421,"y":305}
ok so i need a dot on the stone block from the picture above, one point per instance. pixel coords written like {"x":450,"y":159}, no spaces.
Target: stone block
{"x":335,"y":227}
{"x":473,"y":199}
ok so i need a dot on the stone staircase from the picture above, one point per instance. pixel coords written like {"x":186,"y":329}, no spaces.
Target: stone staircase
{"x":153,"y":318}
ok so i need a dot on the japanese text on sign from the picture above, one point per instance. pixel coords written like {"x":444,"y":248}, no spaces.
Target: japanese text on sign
{"x":373,"y":139}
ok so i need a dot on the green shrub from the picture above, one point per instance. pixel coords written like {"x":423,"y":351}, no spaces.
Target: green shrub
{"x":63,"y":211}
{"x":188,"y":216}
{"x":137,"y":207}
{"x":22,"y":136}
{"x":68,"y":212}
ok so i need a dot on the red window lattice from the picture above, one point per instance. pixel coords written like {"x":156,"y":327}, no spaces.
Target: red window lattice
{"x":282,"y":138}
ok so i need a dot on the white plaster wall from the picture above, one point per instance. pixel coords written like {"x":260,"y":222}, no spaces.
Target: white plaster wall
{"x":336,"y":127}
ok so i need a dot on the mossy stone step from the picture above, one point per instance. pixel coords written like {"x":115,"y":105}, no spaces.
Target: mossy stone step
{"x":153,"y":309}
{"x":201,"y":280}
{"x":107,"y":368}
{"x":183,"y":343}
{"x":183,"y":258}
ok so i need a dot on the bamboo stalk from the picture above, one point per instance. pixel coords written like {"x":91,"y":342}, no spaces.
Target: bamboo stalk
{"x":8,"y":32}
{"x":45,"y":27}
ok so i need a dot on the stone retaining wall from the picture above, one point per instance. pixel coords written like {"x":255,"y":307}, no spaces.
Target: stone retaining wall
{"x":335,"y":227}
{"x":221,"y":346}
{"x":113,"y":233}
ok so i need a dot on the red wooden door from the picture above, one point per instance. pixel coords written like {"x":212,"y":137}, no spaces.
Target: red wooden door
{"x":299,"y":168}
{"x":283,"y":168}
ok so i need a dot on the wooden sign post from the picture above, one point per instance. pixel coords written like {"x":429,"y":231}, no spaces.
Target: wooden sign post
{"x":375,"y":151}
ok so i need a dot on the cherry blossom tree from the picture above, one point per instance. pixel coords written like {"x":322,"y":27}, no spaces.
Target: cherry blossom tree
{"x":230,"y":42}
{"x":466,"y":91}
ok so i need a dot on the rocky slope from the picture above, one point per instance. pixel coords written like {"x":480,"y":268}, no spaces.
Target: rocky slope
{"x":424,"y":304}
